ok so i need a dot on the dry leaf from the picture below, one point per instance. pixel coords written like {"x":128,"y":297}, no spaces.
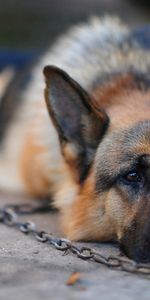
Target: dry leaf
{"x":73,"y":278}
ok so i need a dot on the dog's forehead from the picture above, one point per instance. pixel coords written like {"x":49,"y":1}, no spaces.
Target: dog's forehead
{"x":129,"y":142}
{"x":120,"y":151}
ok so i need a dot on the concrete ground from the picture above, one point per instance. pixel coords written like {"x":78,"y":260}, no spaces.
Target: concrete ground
{"x":32,"y":270}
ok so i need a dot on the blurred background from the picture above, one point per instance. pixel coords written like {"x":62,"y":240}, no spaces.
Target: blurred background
{"x":32,"y":24}
{"x":29,"y":26}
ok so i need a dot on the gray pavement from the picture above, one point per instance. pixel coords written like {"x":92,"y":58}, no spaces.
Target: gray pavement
{"x":31,"y":270}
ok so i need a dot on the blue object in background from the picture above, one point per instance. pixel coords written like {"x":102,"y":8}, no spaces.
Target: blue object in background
{"x":16,"y":58}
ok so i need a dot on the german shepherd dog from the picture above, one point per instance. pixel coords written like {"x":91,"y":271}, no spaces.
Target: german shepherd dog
{"x":88,"y":145}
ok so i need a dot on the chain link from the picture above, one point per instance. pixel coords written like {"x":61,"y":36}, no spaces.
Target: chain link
{"x":9,"y":216}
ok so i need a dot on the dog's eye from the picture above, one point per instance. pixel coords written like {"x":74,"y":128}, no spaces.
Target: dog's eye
{"x":132,"y":177}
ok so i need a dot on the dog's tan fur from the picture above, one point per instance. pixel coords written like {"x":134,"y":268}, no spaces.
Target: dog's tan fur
{"x":113,"y":121}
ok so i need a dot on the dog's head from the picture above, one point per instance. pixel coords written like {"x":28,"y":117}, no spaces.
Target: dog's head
{"x":107,"y":147}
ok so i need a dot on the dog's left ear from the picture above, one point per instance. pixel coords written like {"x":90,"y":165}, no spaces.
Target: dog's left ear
{"x":79,"y":123}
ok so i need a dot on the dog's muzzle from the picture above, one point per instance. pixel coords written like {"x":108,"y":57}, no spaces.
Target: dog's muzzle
{"x":135,"y":243}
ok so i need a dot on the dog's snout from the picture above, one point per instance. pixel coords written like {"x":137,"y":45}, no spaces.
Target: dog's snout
{"x":136,"y":245}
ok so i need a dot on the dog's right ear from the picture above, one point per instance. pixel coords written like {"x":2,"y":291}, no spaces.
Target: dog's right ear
{"x":79,"y":123}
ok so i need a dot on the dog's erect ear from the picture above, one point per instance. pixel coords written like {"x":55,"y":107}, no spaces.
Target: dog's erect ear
{"x":80,"y":125}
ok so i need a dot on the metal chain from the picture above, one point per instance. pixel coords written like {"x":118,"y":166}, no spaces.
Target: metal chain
{"x":9,"y":216}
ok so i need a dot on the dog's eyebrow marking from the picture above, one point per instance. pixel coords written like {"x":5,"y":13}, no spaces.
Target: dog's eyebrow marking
{"x":144,"y":160}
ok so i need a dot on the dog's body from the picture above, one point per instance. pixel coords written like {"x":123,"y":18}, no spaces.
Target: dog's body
{"x":93,"y":156}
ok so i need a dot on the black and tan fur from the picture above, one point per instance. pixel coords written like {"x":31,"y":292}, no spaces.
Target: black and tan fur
{"x":88,"y":146}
